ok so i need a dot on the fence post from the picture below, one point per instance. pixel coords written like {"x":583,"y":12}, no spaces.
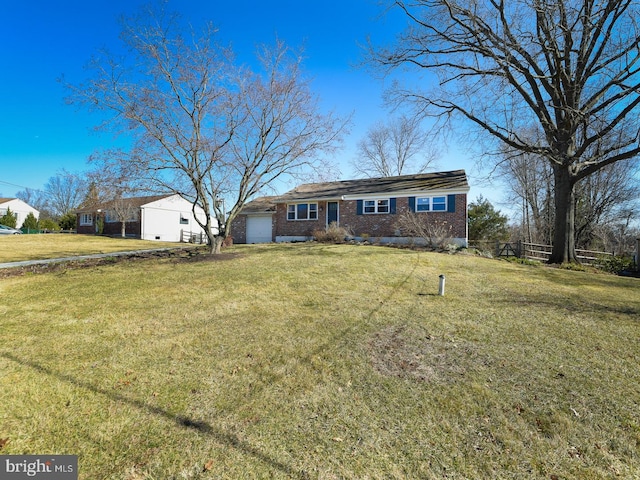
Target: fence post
{"x":519,"y":249}
{"x":637,"y":254}
{"x":497,"y":248}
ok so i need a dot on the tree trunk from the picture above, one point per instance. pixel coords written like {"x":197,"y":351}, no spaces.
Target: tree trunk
{"x":123,"y":229}
{"x":564,"y":229}
{"x":215,"y":244}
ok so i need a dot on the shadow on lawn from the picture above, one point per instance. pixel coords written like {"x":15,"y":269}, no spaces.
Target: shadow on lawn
{"x":181,"y":420}
{"x":201,"y":426}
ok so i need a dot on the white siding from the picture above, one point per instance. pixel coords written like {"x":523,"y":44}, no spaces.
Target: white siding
{"x":19,"y":207}
{"x":165,"y":219}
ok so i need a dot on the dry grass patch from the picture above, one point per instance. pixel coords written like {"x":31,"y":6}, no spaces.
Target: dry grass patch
{"x":323,"y":361}
{"x":409,"y":351}
{"x":16,"y":248}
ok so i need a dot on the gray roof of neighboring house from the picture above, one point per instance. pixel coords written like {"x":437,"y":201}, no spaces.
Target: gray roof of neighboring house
{"x":135,"y":202}
{"x":453,"y":180}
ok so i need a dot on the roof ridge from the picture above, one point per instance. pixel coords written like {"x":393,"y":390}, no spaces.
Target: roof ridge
{"x":445,"y":180}
{"x":395,"y":177}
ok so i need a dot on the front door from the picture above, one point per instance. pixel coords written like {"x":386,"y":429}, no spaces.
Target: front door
{"x":332,"y":212}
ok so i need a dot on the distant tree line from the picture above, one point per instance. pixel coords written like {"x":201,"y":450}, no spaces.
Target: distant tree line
{"x":605,"y":204}
{"x":56,"y":201}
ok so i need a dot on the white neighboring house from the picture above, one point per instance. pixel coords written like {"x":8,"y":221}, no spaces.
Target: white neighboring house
{"x":18,"y":207}
{"x":166,"y":218}
{"x":170,"y":219}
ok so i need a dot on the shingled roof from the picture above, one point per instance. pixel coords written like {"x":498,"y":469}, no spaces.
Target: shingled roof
{"x":133,"y":202}
{"x":453,"y":180}
{"x":260,"y":205}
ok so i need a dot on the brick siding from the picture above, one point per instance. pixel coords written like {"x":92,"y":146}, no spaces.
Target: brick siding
{"x":239,"y":229}
{"x":110,"y":228}
{"x":373,"y":225}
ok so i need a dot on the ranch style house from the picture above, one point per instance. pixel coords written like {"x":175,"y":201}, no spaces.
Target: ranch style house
{"x":166,"y":218}
{"x":369,"y":208}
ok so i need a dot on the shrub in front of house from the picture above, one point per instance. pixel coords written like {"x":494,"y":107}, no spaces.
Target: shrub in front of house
{"x":332,"y":234}
{"x":435,"y":234}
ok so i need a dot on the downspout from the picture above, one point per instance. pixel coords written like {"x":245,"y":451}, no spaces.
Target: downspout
{"x":466,"y":222}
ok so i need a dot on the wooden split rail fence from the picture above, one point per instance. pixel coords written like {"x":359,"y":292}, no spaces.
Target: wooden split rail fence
{"x":536,"y":251}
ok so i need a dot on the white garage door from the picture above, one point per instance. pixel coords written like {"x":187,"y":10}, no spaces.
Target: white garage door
{"x":259,"y":229}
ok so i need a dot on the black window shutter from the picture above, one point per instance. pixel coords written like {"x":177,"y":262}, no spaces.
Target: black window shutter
{"x":359,"y":207}
{"x":451,"y":203}
{"x":412,"y":204}
{"x":392,"y":205}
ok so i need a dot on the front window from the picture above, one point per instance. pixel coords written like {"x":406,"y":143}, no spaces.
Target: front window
{"x":431,"y":204}
{"x":112,"y":216}
{"x":302,"y":211}
{"x":86,"y":219}
{"x":376,"y":206}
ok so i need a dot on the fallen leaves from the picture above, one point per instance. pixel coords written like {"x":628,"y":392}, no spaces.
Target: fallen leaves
{"x":126,"y":380}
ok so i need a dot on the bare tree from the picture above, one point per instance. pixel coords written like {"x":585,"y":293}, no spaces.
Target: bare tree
{"x":399,"y":148}
{"x":281,"y":131}
{"x":529,"y":180}
{"x":202,"y":127}
{"x":124,"y":212}
{"x":620,"y":235}
{"x":600,"y":199}
{"x":605,"y":198}
{"x":112,"y":181}
{"x":571,"y":67}
{"x":60,"y":195}
{"x":36,"y":198}
{"x":64,"y":192}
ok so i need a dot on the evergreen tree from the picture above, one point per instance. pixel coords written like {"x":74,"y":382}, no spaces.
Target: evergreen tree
{"x":68,"y":221}
{"x":30,"y":223}
{"x":485,"y":222}
{"x":93,"y":196}
{"x":9,"y":219}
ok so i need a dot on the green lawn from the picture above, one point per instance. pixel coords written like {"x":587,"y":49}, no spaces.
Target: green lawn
{"x":15,"y":248}
{"x":323,"y":361}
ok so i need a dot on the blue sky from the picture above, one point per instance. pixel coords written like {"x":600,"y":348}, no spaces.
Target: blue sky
{"x":43,"y":40}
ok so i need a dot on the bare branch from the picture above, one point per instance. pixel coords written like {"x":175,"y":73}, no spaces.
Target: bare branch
{"x":399,"y":148}
{"x":201,"y":126}
{"x":571,"y":67}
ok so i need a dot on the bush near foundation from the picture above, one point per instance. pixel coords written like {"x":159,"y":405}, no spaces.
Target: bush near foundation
{"x":332,"y":234}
